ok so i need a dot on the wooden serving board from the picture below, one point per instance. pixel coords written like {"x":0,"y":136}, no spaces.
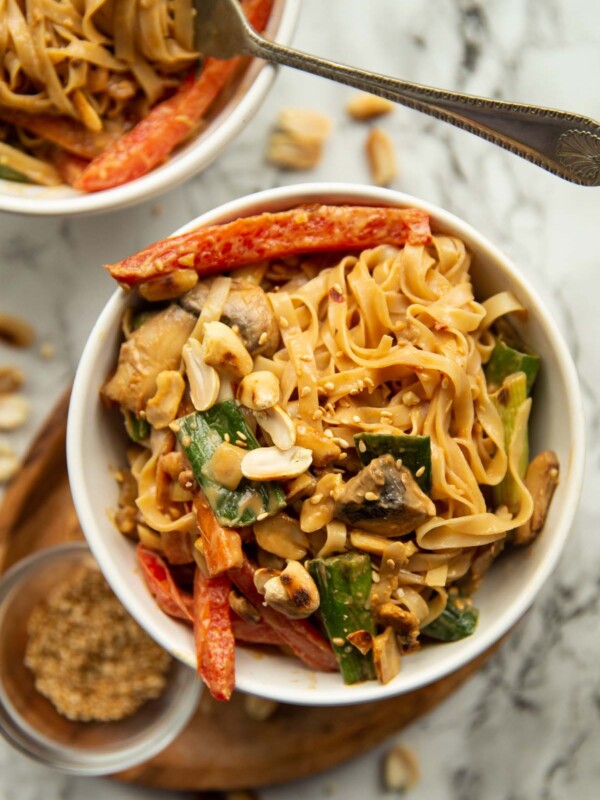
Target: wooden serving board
{"x":221,"y":748}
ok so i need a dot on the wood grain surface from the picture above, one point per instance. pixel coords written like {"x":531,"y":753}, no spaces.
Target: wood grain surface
{"x":221,"y":748}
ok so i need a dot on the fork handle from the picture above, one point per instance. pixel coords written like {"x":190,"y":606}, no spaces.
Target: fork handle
{"x":566,"y":144}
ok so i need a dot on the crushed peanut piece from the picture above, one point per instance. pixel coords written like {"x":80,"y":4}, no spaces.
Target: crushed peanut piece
{"x":11,"y":379}
{"x":47,"y":350}
{"x":16,"y":331}
{"x":400,"y":769}
{"x":366,"y":106}
{"x":381,"y":157}
{"x":9,"y":463}
{"x":298,"y":142}
{"x":88,"y":656}
{"x":14,"y":410}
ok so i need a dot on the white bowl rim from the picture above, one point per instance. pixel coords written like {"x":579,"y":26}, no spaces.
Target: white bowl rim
{"x":166,"y":176}
{"x":451,"y":659}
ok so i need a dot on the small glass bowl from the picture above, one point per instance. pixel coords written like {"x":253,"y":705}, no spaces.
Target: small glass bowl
{"x":30,"y":722}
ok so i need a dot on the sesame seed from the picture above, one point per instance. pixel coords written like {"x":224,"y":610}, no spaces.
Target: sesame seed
{"x":317,"y":415}
{"x":227,"y":438}
{"x":186,"y":441}
{"x":419,"y":472}
{"x":338,"y":288}
{"x":398,"y":463}
{"x":305,"y":391}
{"x":371,"y":496}
{"x":410,"y":399}
{"x":445,"y":383}
{"x":240,"y":443}
{"x":262,"y":516}
{"x":338,"y":641}
{"x":187,"y":260}
{"x":316,"y":499}
{"x":329,"y":433}
{"x":329,"y":386}
{"x":356,"y":418}
{"x":362,"y":446}
{"x":283,"y":323}
{"x":305,"y":357}
{"x":262,"y":338}
{"x":391,"y":563}
{"x":342,"y":456}
{"x":242,"y":435}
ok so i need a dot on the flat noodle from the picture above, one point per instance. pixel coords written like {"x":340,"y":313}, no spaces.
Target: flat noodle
{"x":44,"y":41}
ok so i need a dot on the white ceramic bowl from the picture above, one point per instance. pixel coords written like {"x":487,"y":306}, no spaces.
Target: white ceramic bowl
{"x":197,"y":154}
{"x":94,"y":444}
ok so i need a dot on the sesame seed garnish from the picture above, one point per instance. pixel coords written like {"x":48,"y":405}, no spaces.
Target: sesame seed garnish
{"x":240,"y":443}
{"x":329,"y":386}
{"x":262,"y":338}
{"x":227,"y":438}
{"x":317,"y":415}
{"x":338,"y":641}
{"x":398,"y":463}
{"x":445,"y":383}
{"x":371,"y":496}
{"x":305,"y":391}
{"x":262,"y":516}
{"x":338,"y":288}
{"x":419,"y":472}
{"x":305,"y":357}
{"x":242,"y":435}
{"x":362,"y":446}
{"x":316,"y":499}
{"x":342,"y":456}
{"x":329,"y":433}
{"x":283,"y":323}
{"x":356,"y":418}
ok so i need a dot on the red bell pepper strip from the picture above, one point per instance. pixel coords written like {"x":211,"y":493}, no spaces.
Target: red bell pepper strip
{"x":215,"y":645}
{"x":163,"y":588}
{"x":170,"y":122}
{"x":260,"y":632}
{"x":266,"y":236}
{"x":222,"y":546}
{"x":303,"y":638}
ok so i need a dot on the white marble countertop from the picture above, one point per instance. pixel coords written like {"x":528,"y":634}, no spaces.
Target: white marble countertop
{"x":528,"y":725}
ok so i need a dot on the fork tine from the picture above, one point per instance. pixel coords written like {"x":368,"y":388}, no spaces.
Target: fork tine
{"x":221,"y":28}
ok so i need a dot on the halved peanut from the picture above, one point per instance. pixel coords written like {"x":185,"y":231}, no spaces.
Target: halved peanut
{"x":324,"y":450}
{"x":11,"y":379}
{"x":16,"y":331}
{"x":381,"y":157}
{"x":162,"y":407}
{"x":168,"y":286}
{"x":279,"y":425}
{"x":224,"y":350}
{"x":271,"y":463}
{"x":281,"y":535}
{"x":259,"y":390}
{"x":204,"y":380}
{"x":14,"y":410}
{"x":366,"y":106}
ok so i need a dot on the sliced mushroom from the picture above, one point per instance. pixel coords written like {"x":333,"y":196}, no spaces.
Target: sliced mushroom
{"x":225,"y":351}
{"x":292,"y":593}
{"x":259,"y":390}
{"x":541,"y":479}
{"x":204,"y":380}
{"x":403,"y":622}
{"x":384,"y":498}
{"x":246,"y":308}
{"x":154,"y":347}
{"x":271,"y":463}
{"x":279,"y":425}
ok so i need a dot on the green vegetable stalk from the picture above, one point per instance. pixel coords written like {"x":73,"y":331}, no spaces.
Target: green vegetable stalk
{"x":200,"y":434}
{"x":344,"y":584}
{"x":512,"y":404}
{"x":137,"y":429}
{"x":457,"y":620}
{"x":415,"y":452}
{"x":9,"y":174}
{"x":506,"y":360}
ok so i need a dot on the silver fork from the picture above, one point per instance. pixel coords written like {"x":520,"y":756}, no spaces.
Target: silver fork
{"x":566,"y":144}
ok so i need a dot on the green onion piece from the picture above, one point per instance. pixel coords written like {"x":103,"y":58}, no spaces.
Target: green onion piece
{"x":9,"y":174}
{"x":137,"y":429}
{"x":506,"y":360}
{"x":456,"y":621}
{"x":200,"y":434}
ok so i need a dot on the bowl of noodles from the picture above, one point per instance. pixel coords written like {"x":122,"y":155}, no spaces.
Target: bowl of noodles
{"x":104,"y":105}
{"x":339,"y":440}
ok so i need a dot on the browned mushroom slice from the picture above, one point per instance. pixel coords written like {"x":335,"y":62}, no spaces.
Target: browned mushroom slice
{"x":153,"y":348}
{"x":403,"y":622}
{"x":246,"y":308}
{"x":541,"y":479}
{"x":384,"y":498}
